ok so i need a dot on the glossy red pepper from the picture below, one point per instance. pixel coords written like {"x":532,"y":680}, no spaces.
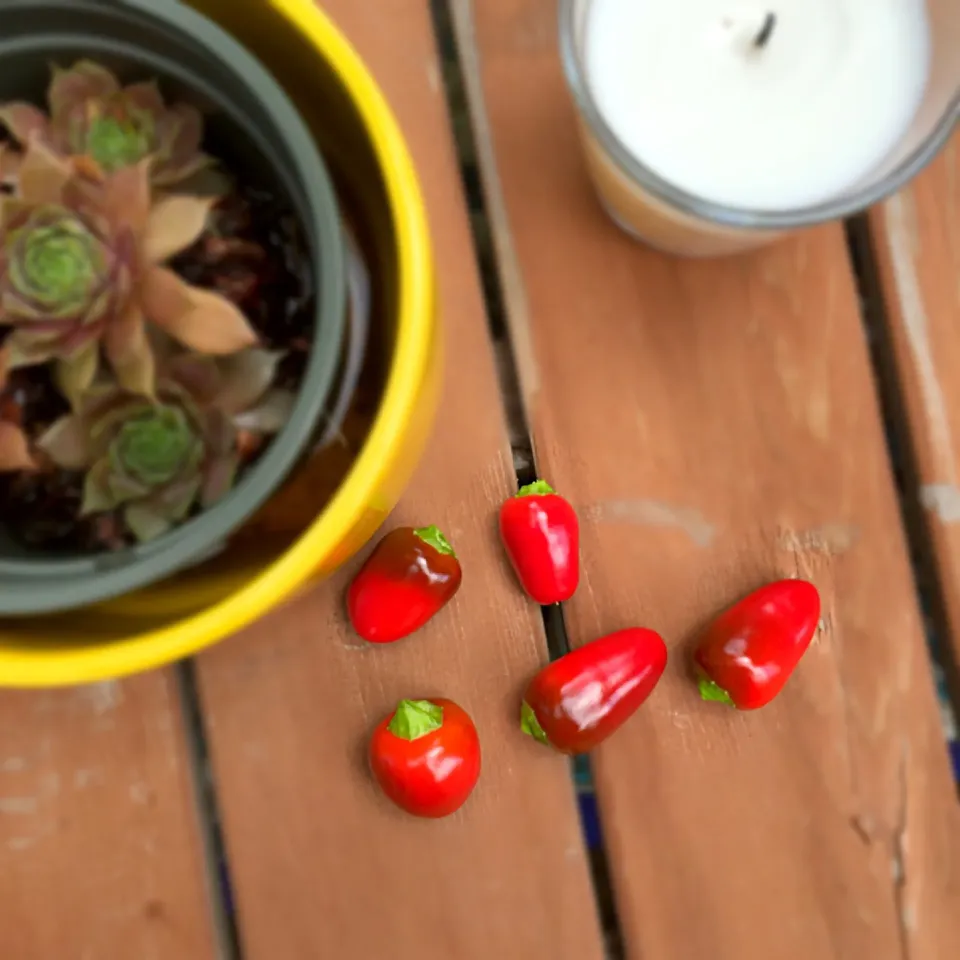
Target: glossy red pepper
{"x":411,"y":574}
{"x":541,"y":534}
{"x":426,"y":756}
{"x":746,"y":655}
{"x":577,"y":701}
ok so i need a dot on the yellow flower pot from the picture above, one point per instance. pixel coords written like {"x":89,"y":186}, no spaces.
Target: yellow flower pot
{"x":359,"y":136}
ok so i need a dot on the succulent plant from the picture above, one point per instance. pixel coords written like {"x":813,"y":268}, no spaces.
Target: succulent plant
{"x":80,"y":266}
{"x":156,"y":459}
{"x":111,"y":126}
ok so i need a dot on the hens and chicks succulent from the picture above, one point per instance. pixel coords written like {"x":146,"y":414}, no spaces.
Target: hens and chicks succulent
{"x":162,"y":378}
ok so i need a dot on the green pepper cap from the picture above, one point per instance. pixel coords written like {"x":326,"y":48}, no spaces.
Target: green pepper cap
{"x":537,"y":488}
{"x":530,"y":725}
{"x":714,"y":692}
{"x":435,"y":538}
{"x":415,"y":718}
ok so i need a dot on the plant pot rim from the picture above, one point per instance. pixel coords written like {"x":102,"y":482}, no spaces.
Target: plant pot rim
{"x":47,"y":584}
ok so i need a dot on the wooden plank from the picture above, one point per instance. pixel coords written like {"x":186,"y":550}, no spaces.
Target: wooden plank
{"x":716,"y":426}
{"x":916,"y":241}
{"x":322,"y":866}
{"x":99,"y":851}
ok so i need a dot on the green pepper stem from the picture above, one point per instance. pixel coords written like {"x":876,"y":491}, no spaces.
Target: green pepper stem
{"x":538,"y":487}
{"x":530,"y":725}
{"x":415,"y":718}
{"x":435,"y":538}
{"x":714,"y":692}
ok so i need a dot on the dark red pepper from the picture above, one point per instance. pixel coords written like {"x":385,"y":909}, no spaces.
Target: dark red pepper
{"x":541,"y":534}
{"x":746,"y":655}
{"x":409,"y":576}
{"x":577,"y":701}
{"x":426,"y":756}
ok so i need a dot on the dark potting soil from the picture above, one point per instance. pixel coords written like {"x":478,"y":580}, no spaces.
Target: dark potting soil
{"x":254,"y":253}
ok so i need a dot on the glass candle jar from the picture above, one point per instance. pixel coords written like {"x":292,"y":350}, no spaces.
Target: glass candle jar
{"x":709,"y":132}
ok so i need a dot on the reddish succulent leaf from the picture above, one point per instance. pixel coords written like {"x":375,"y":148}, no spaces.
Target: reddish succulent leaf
{"x":68,"y":443}
{"x":86,"y":80}
{"x":145,"y":521}
{"x":128,"y":350}
{"x":174,"y":223}
{"x":177,"y":501}
{"x":145,"y":96}
{"x":96,"y":489}
{"x":165,"y":298}
{"x":270,"y":414}
{"x":125,"y":197}
{"x":199,"y":374}
{"x":75,"y":373}
{"x":43,"y":175}
{"x":182,"y":135}
{"x":219,"y":480}
{"x":24,"y":121}
{"x":199,"y":319}
{"x":9,"y":166}
{"x":246,"y":376}
{"x":21,"y":352}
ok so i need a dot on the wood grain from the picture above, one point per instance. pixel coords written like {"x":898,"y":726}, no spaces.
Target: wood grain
{"x":916,"y":240}
{"x":99,"y":852}
{"x":716,"y":426}
{"x":323,"y":866}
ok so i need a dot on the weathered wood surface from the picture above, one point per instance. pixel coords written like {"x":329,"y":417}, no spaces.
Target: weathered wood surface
{"x":322,"y":866}
{"x":716,"y":426}
{"x":99,"y":849}
{"x":916,"y":241}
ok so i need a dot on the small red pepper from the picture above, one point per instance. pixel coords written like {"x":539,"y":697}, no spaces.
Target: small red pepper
{"x":577,"y":701}
{"x":411,"y":574}
{"x":746,"y":655}
{"x":541,"y":534}
{"x":426,"y":757}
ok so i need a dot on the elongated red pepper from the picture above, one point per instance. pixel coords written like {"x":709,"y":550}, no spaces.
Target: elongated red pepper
{"x":747,"y":654}
{"x":411,"y":574}
{"x":577,"y":701}
{"x":541,"y":534}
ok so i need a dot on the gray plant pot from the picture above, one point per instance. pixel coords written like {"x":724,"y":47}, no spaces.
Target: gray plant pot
{"x":255,"y":127}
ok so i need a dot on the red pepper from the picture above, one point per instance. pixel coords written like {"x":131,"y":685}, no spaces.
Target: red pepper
{"x":746,"y":655}
{"x":409,"y":576}
{"x":577,"y":701}
{"x":426,"y":757}
{"x":541,"y":534}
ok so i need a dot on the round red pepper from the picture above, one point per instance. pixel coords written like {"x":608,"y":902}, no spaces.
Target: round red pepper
{"x":577,"y":701}
{"x":541,"y":534}
{"x":746,"y":655}
{"x":411,"y":574}
{"x":426,"y":757}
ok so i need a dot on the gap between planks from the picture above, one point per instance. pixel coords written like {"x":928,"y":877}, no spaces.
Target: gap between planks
{"x":928,"y":584}
{"x":452,"y":22}
{"x":208,"y":817}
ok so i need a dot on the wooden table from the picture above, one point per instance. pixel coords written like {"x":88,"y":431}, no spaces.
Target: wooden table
{"x":716,"y":424}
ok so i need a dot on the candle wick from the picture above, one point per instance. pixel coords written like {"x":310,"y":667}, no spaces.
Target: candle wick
{"x":766,"y":31}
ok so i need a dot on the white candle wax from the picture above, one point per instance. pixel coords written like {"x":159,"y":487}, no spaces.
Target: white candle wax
{"x":771,"y":106}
